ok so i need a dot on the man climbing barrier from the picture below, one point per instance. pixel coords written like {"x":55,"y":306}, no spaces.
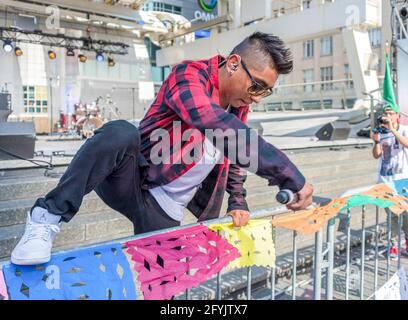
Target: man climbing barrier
{"x":120,"y":161}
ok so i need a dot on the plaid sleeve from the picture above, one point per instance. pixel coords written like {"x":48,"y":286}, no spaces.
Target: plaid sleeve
{"x":235,"y":183}
{"x":187,"y":95}
{"x":235,"y":187}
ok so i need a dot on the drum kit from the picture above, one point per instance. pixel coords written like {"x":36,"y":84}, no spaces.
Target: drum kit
{"x":87,"y":118}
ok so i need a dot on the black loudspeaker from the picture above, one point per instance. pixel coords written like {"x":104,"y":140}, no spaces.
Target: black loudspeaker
{"x":4,"y":114}
{"x":17,"y":138}
{"x":5,"y":101}
{"x":337,"y":130}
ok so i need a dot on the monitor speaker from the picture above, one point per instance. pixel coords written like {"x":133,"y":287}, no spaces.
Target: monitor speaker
{"x":17,"y":138}
{"x":337,"y":130}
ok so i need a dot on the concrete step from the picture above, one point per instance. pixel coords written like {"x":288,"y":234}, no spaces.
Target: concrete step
{"x":340,"y":169}
{"x":82,"y":230}
{"x":14,"y":212}
{"x":321,"y":157}
{"x":262,"y":197}
{"x":14,"y":188}
{"x":23,"y":188}
{"x":31,"y":172}
{"x":330,"y":162}
{"x":265,"y":196}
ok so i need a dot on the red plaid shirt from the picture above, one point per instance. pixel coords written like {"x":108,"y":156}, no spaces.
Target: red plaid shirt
{"x":190,"y":95}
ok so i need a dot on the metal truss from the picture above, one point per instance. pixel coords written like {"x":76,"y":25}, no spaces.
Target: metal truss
{"x":63,"y":41}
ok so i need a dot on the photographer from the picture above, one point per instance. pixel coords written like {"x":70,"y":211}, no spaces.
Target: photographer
{"x":391,"y":143}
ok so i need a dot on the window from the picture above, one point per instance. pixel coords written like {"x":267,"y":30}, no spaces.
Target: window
{"x":308,"y":77}
{"x":326,"y":46}
{"x":306,"y":4}
{"x":349,"y":103}
{"x":272,"y":106}
{"x":163,"y":7}
{"x":326,"y":76}
{"x":375,"y":37}
{"x":317,"y":104}
{"x":37,"y":99}
{"x":347,"y":75}
{"x":281,"y":80}
{"x":32,"y":67}
{"x":151,"y":49}
{"x":308,"y":49}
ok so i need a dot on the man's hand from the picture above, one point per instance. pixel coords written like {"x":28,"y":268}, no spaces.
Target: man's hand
{"x":303,"y":197}
{"x":389,"y":123}
{"x":239,"y":217}
{"x":375,"y":136}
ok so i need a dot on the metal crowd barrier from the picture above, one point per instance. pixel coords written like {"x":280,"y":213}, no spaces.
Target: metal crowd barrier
{"x":323,"y":256}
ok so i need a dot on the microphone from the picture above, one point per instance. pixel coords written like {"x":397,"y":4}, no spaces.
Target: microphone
{"x":285,"y":196}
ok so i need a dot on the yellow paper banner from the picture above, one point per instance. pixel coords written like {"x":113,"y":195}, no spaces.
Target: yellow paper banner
{"x":254,"y":242}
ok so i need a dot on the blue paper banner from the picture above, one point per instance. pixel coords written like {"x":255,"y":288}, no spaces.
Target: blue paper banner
{"x":98,"y":273}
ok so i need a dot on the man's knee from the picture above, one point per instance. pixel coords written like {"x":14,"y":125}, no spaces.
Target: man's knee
{"x":121,"y":132}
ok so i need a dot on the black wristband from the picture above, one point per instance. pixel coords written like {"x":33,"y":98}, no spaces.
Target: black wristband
{"x":377,"y":142}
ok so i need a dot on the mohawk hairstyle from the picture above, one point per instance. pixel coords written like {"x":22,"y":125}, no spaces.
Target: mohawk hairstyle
{"x":271,"y":47}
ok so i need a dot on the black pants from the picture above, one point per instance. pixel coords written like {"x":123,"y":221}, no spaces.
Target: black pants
{"x":109,"y":163}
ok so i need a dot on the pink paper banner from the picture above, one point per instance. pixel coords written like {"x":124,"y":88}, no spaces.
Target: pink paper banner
{"x":3,"y":287}
{"x":170,"y":263}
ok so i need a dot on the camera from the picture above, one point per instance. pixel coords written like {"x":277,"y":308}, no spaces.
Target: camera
{"x":380,"y":120}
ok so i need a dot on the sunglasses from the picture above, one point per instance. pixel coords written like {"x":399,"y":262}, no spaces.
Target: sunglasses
{"x":256,"y":89}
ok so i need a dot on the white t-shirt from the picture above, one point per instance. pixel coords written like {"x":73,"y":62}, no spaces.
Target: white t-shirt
{"x":175,"y":196}
{"x":394,"y":158}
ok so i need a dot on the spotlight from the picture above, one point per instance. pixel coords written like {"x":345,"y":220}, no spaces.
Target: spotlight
{"x":404,"y":12}
{"x":70,"y":52}
{"x":111,"y":62}
{"x":18,"y":52}
{"x":8,"y":46}
{"x":99,"y":56}
{"x":82,"y":58}
{"x":52,"y":55}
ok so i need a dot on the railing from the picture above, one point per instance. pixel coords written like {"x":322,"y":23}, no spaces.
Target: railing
{"x":323,"y":256}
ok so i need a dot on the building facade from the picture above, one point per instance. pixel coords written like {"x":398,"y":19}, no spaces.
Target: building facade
{"x":314,"y":30}
{"x":43,"y":87}
{"x":194,"y":11}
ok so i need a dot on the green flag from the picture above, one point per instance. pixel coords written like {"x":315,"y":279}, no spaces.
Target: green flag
{"x":388,"y":90}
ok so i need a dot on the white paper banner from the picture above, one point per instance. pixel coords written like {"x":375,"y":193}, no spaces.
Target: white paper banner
{"x":395,"y":289}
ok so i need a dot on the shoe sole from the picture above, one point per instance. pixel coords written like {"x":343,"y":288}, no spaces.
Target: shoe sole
{"x":29,"y":262}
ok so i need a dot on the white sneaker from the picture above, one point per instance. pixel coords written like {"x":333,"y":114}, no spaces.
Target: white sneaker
{"x":36,"y":243}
